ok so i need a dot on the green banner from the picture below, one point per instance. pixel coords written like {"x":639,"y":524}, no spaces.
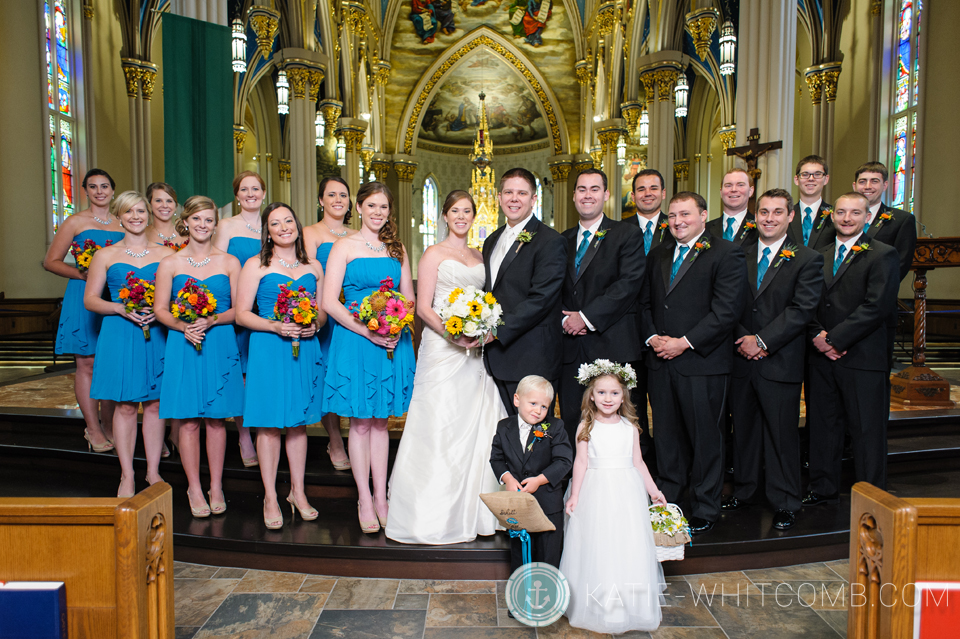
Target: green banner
{"x":197,"y":108}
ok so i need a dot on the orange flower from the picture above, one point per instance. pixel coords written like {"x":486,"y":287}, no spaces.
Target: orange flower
{"x":124,"y":293}
{"x":538,"y":433}
{"x":856,"y":248}
{"x":373,"y":324}
{"x":698,"y":246}
{"x":787,"y":253}
{"x":304,"y":304}
{"x":394,"y":330}
{"x":290,"y":293}
{"x":192,"y":298}
{"x":297,"y":317}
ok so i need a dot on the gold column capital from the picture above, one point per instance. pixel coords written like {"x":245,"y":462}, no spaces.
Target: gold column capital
{"x":631,"y":113}
{"x":814,"y":81}
{"x":609,"y":136}
{"x":298,"y":78}
{"x":148,"y":79}
{"x":405,"y":170}
{"x":728,"y":136}
{"x":87,"y":10}
{"x":331,"y":110}
{"x":701,"y":24}
{"x":830,"y":80}
{"x":560,"y":171}
{"x":264,"y":21}
{"x":284,"y":167}
{"x":239,"y":137}
{"x":649,"y":81}
{"x":606,"y":18}
{"x":353,"y":138}
{"x":316,"y":79}
{"x":382,"y":72}
{"x":681,"y":169}
{"x":381,"y":168}
{"x":666,"y":81}
{"x":583,"y":72}
{"x":131,"y":74}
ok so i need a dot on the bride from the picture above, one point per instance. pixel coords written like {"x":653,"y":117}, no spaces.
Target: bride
{"x":443,"y":463}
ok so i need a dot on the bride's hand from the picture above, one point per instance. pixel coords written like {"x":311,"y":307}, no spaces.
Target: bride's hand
{"x":466,"y":342}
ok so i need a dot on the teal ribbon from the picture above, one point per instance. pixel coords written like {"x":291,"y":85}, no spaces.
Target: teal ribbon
{"x":524,"y":543}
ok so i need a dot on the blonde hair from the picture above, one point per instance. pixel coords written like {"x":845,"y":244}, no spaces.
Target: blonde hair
{"x":535,"y":383}
{"x":125,"y":202}
{"x":588,"y":409}
{"x":194,"y":204}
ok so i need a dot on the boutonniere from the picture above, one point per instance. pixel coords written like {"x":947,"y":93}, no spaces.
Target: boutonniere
{"x":698,"y":248}
{"x":663,"y":229}
{"x":748,"y":226}
{"x":538,"y":432}
{"x":786,"y":254}
{"x":827,"y":212}
{"x":523,"y":237}
{"x":856,"y":249}
{"x":884,"y":217}
{"x":601,"y":234}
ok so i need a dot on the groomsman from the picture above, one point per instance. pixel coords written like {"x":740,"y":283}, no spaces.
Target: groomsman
{"x":690,"y":302}
{"x":893,"y":227}
{"x":525,"y":261}
{"x":737,"y":224}
{"x":605,"y":262}
{"x":850,"y":370}
{"x":785,"y":282}
{"x":811,"y":221}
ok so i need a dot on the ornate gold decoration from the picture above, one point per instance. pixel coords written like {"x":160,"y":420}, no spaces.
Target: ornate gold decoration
{"x":131,"y":73}
{"x":875,"y":7}
{"x":381,"y":169}
{"x":405,"y":170}
{"x":631,"y":113}
{"x":583,"y":73}
{"x":239,"y":137}
{"x":560,"y":171}
{"x":606,"y":18}
{"x":366,"y":156}
{"x":666,"y":80}
{"x":298,"y":78}
{"x":483,"y":186}
{"x":264,"y":21}
{"x":830,"y":79}
{"x":728,"y":137}
{"x":87,"y":10}
{"x":148,"y":78}
{"x":498,"y":48}
{"x":701,"y":24}
{"x":597,"y":155}
{"x":583,"y":164}
{"x":609,"y":136}
{"x":815,"y":85}
{"x":649,"y":81}
{"x":284,"y":168}
{"x":331,"y":110}
{"x":155,"y":543}
{"x":316,"y":79}
{"x":681,"y":169}
{"x":353,"y":138}
{"x":353,"y":16}
{"x":382,"y":73}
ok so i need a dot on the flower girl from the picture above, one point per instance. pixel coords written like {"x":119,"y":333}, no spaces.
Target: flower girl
{"x":609,"y":557}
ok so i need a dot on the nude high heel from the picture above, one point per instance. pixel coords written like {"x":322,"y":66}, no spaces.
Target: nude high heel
{"x":306,"y":515}
{"x":368,"y":526}
{"x":273,"y":524}
{"x":102,"y":448}
{"x":339,"y":465}
{"x":216,"y":507}
{"x":200,"y":513}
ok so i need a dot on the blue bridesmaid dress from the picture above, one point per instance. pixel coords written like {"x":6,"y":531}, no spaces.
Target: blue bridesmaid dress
{"x":282,"y":391}
{"x":128,"y":367}
{"x":243,"y":248}
{"x":361,"y":381}
{"x":209,"y":382}
{"x":78,"y":327}
{"x":325,"y":334}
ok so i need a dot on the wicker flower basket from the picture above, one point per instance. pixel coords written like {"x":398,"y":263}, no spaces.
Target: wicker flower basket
{"x":673,"y":533}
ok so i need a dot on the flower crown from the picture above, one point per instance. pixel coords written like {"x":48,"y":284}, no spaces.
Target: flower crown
{"x":624,"y":372}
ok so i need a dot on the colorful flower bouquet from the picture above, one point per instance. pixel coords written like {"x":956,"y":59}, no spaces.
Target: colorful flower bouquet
{"x":471,"y":312}
{"x":295,"y":307}
{"x":137,"y":296}
{"x":385,"y":311}
{"x":84,"y":254}
{"x":670,"y":531}
{"x":193,"y":302}
{"x":175,"y":246}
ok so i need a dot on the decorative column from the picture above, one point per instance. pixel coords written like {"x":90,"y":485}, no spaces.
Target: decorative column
{"x":831,"y":75}
{"x":89,"y":115}
{"x":659,"y":80}
{"x":766,"y":68}
{"x":264,"y":21}
{"x":406,"y":168}
{"x":609,"y":133}
{"x":814,"y":79}
{"x":381,"y":167}
{"x":131,"y":73}
{"x":148,"y":79}
{"x":304,"y":80}
{"x":560,"y":167}
{"x":353,"y":130}
{"x":728,"y":138}
{"x":681,"y":173}
{"x":876,"y":79}
{"x":239,"y":137}
{"x":285,"y":168}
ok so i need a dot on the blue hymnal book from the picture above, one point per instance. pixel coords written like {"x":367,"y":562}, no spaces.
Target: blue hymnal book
{"x":33,"y":610}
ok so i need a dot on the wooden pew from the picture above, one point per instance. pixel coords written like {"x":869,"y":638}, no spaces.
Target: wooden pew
{"x":895,"y":543}
{"x":114,"y":555}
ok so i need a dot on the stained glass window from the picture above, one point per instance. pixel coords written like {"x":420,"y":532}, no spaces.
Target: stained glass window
{"x":900,"y":161}
{"x":906,"y":87}
{"x":61,"y":96}
{"x":538,"y":205}
{"x":431,"y":210}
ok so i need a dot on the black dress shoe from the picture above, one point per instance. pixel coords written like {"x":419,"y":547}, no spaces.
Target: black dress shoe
{"x":698,"y":525}
{"x":783,"y":519}
{"x":814,"y":499}
{"x":732,"y":503}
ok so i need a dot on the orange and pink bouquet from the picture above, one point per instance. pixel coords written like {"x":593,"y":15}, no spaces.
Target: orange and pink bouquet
{"x":137,"y":296}
{"x":84,"y":254}
{"x":194,"y":301}
{"x":295,"y":307}
{"x":385,"y":311}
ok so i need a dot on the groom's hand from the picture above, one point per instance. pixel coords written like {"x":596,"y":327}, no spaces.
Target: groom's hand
{"x":530,"y":484}
{"x":573,"y":324}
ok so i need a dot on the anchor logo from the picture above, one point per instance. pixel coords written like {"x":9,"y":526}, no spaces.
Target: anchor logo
{"x":537,"y":589}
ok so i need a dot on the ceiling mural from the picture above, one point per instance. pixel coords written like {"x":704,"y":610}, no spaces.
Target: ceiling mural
{"x":513,"y":112}
{"x":427,"y":29}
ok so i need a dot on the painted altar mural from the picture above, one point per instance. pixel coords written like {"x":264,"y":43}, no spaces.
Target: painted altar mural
{"x":513,"y":112}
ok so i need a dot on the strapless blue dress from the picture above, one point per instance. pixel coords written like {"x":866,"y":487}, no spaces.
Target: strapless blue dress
{"x":208,"y":383}
{"x":127,"y":367}
{"x":325,"y":334}
{"x":78,"y":327}
{"x":243,"y":248}
{"x":282,"y":391}
{"x":361,"y":381}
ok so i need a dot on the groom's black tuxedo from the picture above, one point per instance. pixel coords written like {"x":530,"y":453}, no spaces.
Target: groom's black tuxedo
{"x":899,"y":231}
{"x":606,"y":289}
{"x":528,"y":288}
{"x":552,"y":457}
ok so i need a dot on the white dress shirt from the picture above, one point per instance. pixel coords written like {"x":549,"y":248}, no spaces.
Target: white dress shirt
{"x":814,"y":207}
{"x":738,"y":220}
{"x":525,"y":429}
{"x":507,"y":238}
{"x":593,"y":233}
{"x":849,"y":244}
{"x":774,"y":249}
{"x":873,"y":211}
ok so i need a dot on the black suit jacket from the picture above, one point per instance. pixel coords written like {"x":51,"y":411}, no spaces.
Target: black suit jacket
{"x":900,"y":232}
{"x":528,"y":288}
{"x":856,"y":303}
{"x":780,"y":311}
{"x":661,"y":232}
{"x":606,"y":290}
{"x":822,"y":234}
{"x":702,"y":304}
{"x":551,"y":456}
{"x":744,"y":237}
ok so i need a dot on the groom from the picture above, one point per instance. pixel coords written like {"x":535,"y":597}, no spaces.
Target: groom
{"x":525,"y":261}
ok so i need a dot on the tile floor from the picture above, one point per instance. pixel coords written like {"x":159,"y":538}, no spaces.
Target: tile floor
{"x":808,"y":600}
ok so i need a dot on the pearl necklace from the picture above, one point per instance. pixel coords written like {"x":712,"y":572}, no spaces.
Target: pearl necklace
{"x":199,"y":264}
{"x":283,"y":262}
{"x":104,"y":222}
{"x":377,"y":249}
{"x":344,"y":234}
{"x":165,"y":238}
{"x":143,"y":254}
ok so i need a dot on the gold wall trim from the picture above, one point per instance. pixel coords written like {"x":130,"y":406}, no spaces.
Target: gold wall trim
{"x":512,"y":149}
{"x":510,"y":57}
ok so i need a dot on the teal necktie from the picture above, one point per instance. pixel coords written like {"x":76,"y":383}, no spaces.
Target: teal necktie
{"x":728,"y":232}
{"x":648,"y":237}
{"x":837,"y":262}
{"x":807,"y":225}
{"x":677,"y":262}
{"x":581,"y":250}
{"x":763,"y":265}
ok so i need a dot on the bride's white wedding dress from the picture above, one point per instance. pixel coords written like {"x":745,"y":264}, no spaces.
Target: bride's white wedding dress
{"x":443,"y":463}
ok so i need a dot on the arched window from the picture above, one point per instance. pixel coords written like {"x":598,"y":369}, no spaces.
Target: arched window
{"x":906,"y":92}
{"x":431,"y":210}
{"x":61,"y":107}
{"x":538,"y":206}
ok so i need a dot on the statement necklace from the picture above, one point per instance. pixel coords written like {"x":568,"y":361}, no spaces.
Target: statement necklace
{"x":344,"y":234}
{"x":165,"y":238}
{"x":142,"y":254}
{"x":377,"y":249}
{"x":199,"y":264}
{"x":258,"y":231}
{"x":104,"y":222}
{"x":283,"y":262}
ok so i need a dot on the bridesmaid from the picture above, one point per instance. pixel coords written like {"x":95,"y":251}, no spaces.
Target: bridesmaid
{"x":240,"y":236}
{"x":128,"y":368}
{"x":361,"y":381}
{"x":283,"y":393}
{"x":163,"y":205}
{"x":204,"y":386}
{"x":319,"y":238}
{"x":78,"y":328}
